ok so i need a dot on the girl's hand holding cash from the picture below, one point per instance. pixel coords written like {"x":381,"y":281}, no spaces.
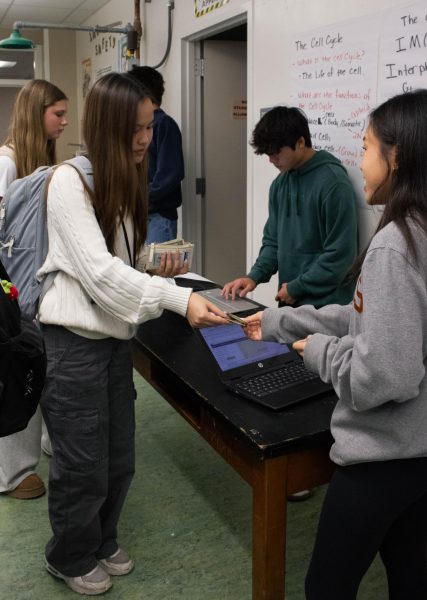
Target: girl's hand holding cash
{"x":170,"y":266}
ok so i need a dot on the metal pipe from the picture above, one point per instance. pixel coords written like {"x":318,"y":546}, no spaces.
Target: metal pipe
{"x":106,"y":29}
{"x":137,"y":25}
{"x":171,"y":6}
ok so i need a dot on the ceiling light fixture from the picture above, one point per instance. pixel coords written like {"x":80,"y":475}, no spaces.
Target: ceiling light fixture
{"x":7,"y":64}
{"x":17,"y":42}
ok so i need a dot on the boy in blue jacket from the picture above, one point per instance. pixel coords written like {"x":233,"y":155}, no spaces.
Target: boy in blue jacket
{"x":165,"y":165}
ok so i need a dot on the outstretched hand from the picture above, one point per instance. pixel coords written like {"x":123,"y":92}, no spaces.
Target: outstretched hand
{"x":202,"y":313}
{"x":252,"y":326}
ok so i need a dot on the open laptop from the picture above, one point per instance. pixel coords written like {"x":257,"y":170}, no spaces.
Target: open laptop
{"x":269,"y":373}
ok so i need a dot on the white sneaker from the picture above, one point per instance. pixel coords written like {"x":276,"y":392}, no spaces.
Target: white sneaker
{"x":118,"y":563}
{"x":93,"y":583}
{"x":45,"y":441}
{"x":47,"y":447}
{"x":300,"y":496}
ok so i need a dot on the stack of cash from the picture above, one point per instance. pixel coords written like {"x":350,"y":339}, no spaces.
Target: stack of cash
{"x":152,"y":253}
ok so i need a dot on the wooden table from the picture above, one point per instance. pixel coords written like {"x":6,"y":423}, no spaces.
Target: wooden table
{"x":276,"y":453}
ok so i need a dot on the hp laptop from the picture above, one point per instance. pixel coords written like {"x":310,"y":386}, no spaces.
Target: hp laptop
{"x":269,"y":373}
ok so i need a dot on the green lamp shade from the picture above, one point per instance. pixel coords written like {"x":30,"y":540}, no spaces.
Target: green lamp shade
{"x":16,"y":41}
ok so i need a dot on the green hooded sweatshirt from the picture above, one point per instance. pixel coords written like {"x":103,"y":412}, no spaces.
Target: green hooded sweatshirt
{"x":310,"y":236}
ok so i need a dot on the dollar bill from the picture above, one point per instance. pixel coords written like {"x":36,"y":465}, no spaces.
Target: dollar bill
{"x":152,"y":253}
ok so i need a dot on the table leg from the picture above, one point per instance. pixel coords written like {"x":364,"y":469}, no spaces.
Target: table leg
{"x":269,"y":529}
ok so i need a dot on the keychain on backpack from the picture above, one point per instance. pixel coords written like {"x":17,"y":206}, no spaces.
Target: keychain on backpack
{"x":9,"y":289}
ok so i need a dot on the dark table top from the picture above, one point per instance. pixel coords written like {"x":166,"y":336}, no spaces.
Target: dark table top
{"x":171,"y":341}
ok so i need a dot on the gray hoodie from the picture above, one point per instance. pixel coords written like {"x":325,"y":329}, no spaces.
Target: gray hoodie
{"x":373,"y":350}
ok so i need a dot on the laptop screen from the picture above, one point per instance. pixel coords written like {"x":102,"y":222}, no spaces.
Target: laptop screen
{"x":232,"y":349}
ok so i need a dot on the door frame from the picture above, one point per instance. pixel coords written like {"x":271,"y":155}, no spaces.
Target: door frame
{"x":192,"y":211}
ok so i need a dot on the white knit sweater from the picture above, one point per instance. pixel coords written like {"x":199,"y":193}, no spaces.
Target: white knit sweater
{"x":94,"y":293}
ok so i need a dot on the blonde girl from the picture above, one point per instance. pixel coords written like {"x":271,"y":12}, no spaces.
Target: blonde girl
{"x":39,"y":118}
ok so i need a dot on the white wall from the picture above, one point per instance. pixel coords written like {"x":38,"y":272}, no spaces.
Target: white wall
{"x":271,"y":24}
{"x":87,"y":45}
{"x":63,"y":74}
{"x":153,"y":44}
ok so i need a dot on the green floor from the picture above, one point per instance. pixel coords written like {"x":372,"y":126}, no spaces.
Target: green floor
{"x":186,"y":522}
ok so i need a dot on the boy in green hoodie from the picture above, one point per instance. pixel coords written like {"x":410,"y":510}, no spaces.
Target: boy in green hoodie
{"x":310,"y":237}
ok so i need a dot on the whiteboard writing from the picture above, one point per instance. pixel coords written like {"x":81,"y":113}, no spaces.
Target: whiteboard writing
{"x":334,"y":81}
{"x":403,"y":51}
{"x":339,"y":73}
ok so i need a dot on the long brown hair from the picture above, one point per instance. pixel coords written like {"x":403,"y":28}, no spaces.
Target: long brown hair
{"x":27,"y":136}
{"x":120,"y":186}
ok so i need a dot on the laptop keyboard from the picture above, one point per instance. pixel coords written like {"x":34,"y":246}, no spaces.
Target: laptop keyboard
{"x":274,"y":381}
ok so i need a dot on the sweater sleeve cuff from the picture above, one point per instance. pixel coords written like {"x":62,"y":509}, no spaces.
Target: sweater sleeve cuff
{"x":269,"y":324}
{"x":175,"y":298}
{"x":314,"y":351}
{"x":255,"y":275}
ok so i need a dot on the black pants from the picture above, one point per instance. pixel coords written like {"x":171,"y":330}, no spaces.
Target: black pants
{"x":369,"y":508}
{"x":88,"y":406}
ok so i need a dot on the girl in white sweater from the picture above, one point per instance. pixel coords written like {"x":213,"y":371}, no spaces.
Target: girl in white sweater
{"x":88,"y":314}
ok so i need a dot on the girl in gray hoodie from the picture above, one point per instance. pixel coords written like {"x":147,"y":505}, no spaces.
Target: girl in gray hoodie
{"x":374,"y":352}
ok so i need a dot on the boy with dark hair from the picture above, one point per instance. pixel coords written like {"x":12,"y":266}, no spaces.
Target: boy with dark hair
{"x":282,"y":127}
{"x":152,"y":80}
{"x":310,"y":236}
{"x":165,"y":165}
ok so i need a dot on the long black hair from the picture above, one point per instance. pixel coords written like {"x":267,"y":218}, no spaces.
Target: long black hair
{"x":400,"y":125}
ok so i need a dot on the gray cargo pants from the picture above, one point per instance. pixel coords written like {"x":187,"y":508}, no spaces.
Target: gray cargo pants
{"x":88,"y":406}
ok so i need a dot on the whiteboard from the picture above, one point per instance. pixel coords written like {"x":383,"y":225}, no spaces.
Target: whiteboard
{"x":403,"y":57}
{"x":339,"y":73}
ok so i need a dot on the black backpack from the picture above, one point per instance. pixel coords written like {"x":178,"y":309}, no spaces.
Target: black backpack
{"x":22,"y":362}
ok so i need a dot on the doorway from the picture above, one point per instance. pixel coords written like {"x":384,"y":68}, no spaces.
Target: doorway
{"x":24,"y":66}
{"x":7,"y":101}
{"x":214,"y":210}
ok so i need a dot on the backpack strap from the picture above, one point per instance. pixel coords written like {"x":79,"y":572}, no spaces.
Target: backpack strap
{"x":83,"y":167}
{"x":46,"y":283}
